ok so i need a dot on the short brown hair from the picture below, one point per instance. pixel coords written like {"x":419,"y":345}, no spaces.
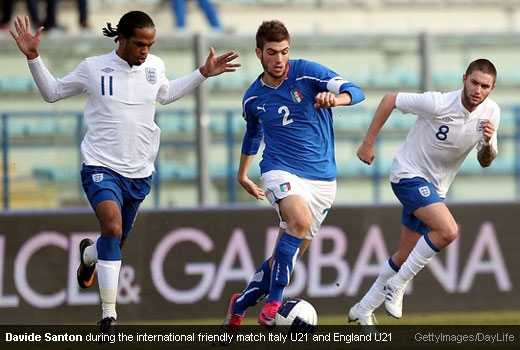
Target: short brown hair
{"x":483,"y":65}
{"x":271,"y":31}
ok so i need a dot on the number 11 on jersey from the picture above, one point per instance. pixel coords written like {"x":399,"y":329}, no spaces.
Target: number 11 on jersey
{"x":104,"y":88}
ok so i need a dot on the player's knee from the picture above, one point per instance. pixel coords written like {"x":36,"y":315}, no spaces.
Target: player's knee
{"x":112,"y":229}
{"x":300,"y":226}
{"x":450,"y":233}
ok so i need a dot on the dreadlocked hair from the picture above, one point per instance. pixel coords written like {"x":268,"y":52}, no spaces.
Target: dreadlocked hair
{"x":127,"y":25}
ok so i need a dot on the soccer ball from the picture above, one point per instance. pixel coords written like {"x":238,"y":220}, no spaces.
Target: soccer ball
{"x":296,"y":316}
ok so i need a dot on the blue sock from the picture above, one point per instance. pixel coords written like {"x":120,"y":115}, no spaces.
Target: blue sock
{"x":255,"y":291}
{"x":430,"y":243}
{"x":108,"y":248}
{"x":393,"y":265}
{"x":285,"y":257}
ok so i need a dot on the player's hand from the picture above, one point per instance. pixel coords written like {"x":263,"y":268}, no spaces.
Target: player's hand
{"x":325,"y":100}
{"x":27,"y":43}
{"x":487,"y":130}
{"x":252,"y":188}
{"x":218,"y":65}
{"x":366,"y":153}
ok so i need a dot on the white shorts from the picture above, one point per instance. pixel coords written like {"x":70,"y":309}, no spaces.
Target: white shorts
{"x":319,"y":195}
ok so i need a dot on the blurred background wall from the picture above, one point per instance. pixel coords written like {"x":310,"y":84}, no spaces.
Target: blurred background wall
{"x":182,"y":265}
{"x":382,"y":45}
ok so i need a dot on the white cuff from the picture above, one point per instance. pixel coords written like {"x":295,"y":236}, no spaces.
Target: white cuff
{"x":36,"y":59}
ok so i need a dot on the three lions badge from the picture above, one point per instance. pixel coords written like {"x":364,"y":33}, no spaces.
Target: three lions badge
{"x":424,"y":191}
{"x":151,"y":75}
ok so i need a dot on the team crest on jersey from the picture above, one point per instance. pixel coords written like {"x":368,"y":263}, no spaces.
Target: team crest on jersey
{"x":424,"y":191}
{"x":151,"y":75}
{"x":480,"y":124}
{"x":97,"y":177}
{"x":286,"y":187}
{"x":296,"y":95}
{"x":107,"y":70}
{"x":447,"y":119}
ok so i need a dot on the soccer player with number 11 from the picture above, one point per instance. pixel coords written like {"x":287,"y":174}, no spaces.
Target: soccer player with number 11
{"x":122,"y":139}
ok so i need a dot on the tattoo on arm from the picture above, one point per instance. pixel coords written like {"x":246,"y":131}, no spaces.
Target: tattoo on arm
{"x":486,"y":155}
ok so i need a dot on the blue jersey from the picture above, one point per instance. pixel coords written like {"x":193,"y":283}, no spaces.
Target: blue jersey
{"x":298,"y":137}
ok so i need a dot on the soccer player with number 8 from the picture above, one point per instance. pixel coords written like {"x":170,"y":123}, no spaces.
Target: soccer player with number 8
{"x":448,"y":126}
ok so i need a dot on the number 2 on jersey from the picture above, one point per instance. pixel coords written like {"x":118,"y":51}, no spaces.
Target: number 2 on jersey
{"x":286,"y":120}
{"x":442,"y":134}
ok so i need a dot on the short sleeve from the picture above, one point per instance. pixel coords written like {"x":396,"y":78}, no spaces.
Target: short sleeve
{"x":418,"y":104}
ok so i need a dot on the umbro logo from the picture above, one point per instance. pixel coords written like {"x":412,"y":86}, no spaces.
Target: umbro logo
{"x":447,"y":119}
{"x":261,"y":108}
{"x":107,"y":70}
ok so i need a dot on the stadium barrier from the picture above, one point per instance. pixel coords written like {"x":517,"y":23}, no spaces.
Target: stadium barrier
{"x":29,"y":182}
{"x":185,"y":264}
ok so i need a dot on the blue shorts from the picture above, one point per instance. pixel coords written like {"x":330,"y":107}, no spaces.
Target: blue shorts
{"x":100,"y":184}
{"x":413,"y":194}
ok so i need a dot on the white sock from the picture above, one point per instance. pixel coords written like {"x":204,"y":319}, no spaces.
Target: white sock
{"x":421,"y":255}
{"x":108,"y":279}
{"x":90,"y":255}
{"x":375,"y":295}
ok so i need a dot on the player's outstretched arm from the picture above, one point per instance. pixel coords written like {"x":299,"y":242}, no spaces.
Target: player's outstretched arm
{"x":245,"y":181}
{"x":218,"y":65}
{"x":487,"y":153}
{"x":366,"y":151}
{"x":45,"y":81}
{"x":182,"y":86}
{"x":27,"y":43}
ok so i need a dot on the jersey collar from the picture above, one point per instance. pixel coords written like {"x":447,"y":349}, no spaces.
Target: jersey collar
{"x":123,"y":63}
{"x":463,"y":109}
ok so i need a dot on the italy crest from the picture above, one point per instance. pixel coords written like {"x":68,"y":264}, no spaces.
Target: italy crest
{"x":296,"y":95}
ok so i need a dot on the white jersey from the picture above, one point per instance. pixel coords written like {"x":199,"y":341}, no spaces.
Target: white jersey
{"x":442,"y":136}
{"x":120,"y":109}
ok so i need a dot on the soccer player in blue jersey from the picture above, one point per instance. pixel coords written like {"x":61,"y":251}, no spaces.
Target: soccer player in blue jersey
{"x":289,"y":106}
{"x":122,"y":139}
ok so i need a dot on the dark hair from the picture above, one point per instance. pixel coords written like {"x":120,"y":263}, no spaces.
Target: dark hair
{"x":483,"y":65}
{"x":127,"y":25}
{"x":271,"y":31}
